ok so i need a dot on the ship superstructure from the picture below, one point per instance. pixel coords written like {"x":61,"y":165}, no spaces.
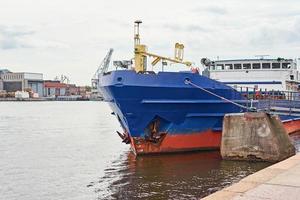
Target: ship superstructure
{"x":266,"y":74}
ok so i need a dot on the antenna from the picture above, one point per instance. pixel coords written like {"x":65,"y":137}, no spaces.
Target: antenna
{"x":137,"y":32}
{"x":261,"y":56}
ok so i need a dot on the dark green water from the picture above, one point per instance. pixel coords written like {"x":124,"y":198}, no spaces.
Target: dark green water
{"x":69,"y":150}
{"x":180,"y":176}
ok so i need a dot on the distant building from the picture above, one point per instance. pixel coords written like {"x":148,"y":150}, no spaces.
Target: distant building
{"x":21,"y":81}
{"x":82,"y":91}
{"x":72,"y":89}
{"x":3,"y":71}
{"x":54,"y":88}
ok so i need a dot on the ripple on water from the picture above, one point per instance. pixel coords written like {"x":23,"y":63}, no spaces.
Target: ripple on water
{"x":177,"y":176}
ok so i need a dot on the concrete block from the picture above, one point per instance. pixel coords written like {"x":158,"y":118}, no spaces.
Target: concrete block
{"x":255,"y":136}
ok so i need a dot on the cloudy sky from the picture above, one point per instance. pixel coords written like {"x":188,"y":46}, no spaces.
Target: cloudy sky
{"x":71,"y":37}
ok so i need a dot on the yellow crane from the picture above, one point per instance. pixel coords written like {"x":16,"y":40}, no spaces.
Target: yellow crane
{"x":141,"y":54}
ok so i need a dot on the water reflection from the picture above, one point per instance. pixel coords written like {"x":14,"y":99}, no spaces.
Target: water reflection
{"x":171,"y":176}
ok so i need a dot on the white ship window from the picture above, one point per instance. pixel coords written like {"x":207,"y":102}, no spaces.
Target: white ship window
{"x":256,"y":66}
{"x":286,"y":65}
{"x":275,"y":65}
{"x":292,"y":77}
{"x":220,"y":67}
{"x":246,"y":66}
{"x":228,"y":66}
{"x":237,"y":66}
{"x":266,"y":66}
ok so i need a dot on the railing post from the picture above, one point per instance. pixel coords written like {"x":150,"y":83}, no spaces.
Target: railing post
{"x":260,"y":94}
{"x":269,"y":100}
{"x":291,"y":103}
{"x":273,"y":98}
{"x":265,"y":95}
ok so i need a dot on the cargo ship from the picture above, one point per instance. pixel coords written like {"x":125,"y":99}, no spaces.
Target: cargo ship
{"x":166,"y":112}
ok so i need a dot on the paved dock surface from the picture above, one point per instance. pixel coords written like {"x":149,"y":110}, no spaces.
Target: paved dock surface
{"x":279,"y":181}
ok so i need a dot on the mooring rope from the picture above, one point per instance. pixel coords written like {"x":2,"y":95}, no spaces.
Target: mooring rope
{"x":188,"y":82}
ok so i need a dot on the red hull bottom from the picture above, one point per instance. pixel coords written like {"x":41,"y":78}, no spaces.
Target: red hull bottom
{"x":207,"y":140}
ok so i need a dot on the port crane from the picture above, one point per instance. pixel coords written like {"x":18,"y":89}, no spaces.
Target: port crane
{"x":101,"y":69}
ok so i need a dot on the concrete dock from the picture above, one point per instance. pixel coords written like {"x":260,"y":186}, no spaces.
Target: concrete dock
{"x":278,"y":181}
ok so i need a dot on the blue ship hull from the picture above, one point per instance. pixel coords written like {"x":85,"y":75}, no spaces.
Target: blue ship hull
{"x":161,"y":113}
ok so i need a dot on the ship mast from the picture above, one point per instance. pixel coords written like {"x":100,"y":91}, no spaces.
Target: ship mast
{"x":137,"y":32}
{"x":140,"y":52}
{"x":140,"y":58}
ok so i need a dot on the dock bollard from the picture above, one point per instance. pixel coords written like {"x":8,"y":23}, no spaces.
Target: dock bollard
{"x":255,"y":136}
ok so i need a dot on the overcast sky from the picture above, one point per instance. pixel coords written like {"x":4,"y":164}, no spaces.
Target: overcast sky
{"x":71,"y":37}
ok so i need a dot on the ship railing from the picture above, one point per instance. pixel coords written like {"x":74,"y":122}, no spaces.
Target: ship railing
{"x":277,"y":102}
{"x":273,"y":101}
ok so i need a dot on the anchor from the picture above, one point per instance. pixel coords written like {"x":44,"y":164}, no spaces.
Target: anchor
{"x":125,"y":137}
{"x":155,"y":136}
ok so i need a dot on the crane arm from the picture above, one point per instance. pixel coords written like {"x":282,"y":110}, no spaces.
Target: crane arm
{"x":104,"y":64}
{"x":158,"y":58}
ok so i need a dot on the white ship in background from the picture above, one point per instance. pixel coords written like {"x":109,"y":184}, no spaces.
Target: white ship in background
{"x":262,"y":74}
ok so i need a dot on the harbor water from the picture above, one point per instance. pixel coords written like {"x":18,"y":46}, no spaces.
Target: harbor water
{"x":69,"y":150}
